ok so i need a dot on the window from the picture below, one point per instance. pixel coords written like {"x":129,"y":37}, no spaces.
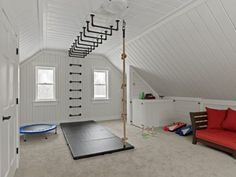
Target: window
{"x":45,"y":83}
{"x":101,"y":84}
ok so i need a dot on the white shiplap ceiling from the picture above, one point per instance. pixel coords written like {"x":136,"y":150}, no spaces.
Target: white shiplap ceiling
{"x":193,"y":54}
{"x":53,"y":24}
{"x":180,"y":47}
{"x":24,"y":16}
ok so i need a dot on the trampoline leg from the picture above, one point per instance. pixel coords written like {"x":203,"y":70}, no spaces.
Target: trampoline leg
{"x":24,"y":138}
{"x":56,"y":131}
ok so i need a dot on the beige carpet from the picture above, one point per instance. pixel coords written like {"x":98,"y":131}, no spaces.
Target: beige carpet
{"x":166,"y":155}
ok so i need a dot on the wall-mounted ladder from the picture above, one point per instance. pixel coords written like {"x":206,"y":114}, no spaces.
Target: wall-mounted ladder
{"x":75,"y":89}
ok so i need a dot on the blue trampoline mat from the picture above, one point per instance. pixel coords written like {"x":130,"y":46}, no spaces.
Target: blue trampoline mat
{"x":37,"y":128}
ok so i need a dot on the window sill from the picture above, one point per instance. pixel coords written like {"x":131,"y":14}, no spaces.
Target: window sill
{"x":101,"y":101}
{"x":45,"y":102}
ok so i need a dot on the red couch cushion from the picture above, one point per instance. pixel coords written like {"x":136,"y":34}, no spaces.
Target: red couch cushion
{"x":230,"y":121}
{"x":221,"y":137}
{"x":215,"y":118}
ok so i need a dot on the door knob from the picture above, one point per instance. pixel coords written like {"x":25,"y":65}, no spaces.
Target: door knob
{"x":6,"y":118}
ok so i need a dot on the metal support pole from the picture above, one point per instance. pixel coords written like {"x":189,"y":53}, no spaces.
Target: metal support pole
{"x":123,"y":87}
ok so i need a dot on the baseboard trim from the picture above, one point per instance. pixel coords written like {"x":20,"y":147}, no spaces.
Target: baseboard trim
{"x":98,"y":118}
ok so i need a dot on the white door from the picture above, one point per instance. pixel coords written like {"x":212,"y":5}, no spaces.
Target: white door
{"x":8,"y":95}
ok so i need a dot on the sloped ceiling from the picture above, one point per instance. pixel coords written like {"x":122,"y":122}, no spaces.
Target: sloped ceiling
{"x":53,"y":24}
{"x":192,"y":54}
{"x":23,"y":15}
{"x":180,"y":47}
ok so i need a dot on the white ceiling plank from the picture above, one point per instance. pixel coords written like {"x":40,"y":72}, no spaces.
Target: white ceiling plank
{"x":191,"y":55}
{"x":223,"y":20}
{"x":68,"y":16}
{"x":180,"y":47}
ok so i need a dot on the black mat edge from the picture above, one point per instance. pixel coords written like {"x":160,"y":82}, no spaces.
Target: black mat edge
{"x":125,"y":148}
{"x":103,"y":153}
{"x":67,"y":143}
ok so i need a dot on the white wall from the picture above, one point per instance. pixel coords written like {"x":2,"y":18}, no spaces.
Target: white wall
{"x":139,"y":85}
{"x":149,"y":113}
{"x":135,"y":85}
{"x":56,"y":112}
{"x":168,"y":110}
{"x":184,"y":105}
{"x":171,"y":109}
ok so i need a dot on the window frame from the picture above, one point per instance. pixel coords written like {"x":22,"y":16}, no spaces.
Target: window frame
{"x":107,"y":84}
{"x":54,"y":83}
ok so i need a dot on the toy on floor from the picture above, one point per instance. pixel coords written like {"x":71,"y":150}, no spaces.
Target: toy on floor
{"x":149,"y":132}
{"x":173,"y":127}
{"x":185,"y":131}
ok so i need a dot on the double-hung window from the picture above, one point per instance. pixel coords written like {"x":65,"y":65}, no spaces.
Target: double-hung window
{"x":101,"y":87}
{"x":45,"y":83}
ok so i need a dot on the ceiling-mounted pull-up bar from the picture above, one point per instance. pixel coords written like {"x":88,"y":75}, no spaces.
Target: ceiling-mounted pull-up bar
{"x":97,"y":32}
{"x":77,"y":52}
{"x":75,"y":55}
{"x":98,"y":40}
{"x":104,"y":27}
{"x":93,"y":37}
{"x":88,"y":45}
{"x":79,"y":47}
{"x":83,"y":46}
{"x":73,"y":49}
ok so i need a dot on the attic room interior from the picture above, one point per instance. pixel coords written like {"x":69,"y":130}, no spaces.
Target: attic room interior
{"x":117,"y":88}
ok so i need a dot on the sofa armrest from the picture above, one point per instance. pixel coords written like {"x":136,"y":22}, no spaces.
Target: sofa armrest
{"x":199,"y":121}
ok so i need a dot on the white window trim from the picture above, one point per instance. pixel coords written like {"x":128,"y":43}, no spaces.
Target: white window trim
{"x":36,"y":84}
{"x":102,"y":100}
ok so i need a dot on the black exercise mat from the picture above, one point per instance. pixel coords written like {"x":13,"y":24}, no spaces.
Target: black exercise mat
{"x":87,"y":139}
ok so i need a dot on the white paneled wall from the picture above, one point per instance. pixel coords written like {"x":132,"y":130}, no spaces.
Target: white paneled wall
{"x":55,"y":112}
{"x":152,"y":113}
{"x":170,"y":109}
{"x":218,"y":104}
{"x":183,"y":106}
{"x":157,"y":113}
{"x":135,"y":85}
{"x":139,"y":85}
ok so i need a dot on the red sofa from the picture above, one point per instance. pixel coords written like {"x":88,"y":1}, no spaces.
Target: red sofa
{"x":215,"y":128}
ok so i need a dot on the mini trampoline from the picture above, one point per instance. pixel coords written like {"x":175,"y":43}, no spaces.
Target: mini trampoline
{"x":37,"y":129}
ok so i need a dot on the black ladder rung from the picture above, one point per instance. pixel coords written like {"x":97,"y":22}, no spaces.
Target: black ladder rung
{"x":75,"y":90}
{"x":74,"y":115}
{"x":79,"y":65}
{"x":75,"y":73}
{"x":71,"y":98}
{"x":75,"y":82}
{"x":75,"y":106}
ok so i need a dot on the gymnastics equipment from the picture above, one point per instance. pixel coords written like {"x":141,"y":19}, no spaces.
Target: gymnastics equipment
{"x":37,"y":129}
